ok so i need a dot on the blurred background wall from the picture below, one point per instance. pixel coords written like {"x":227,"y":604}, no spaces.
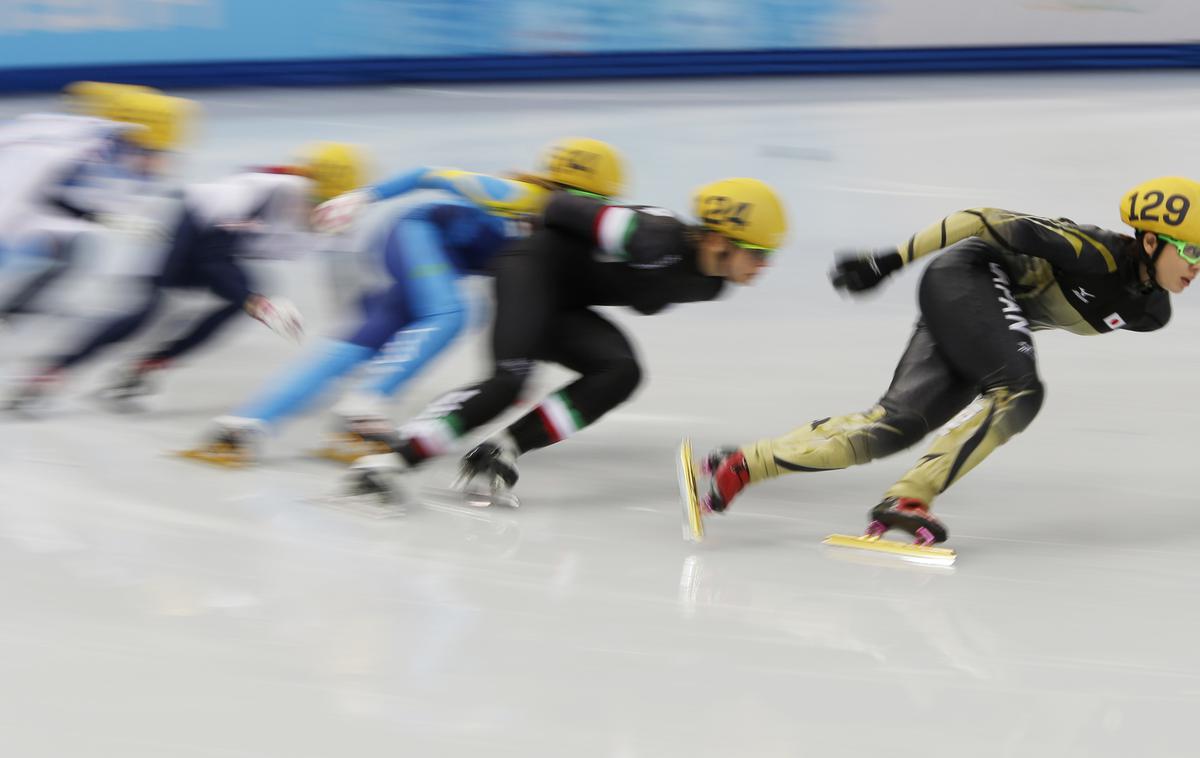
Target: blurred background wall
{"x":46,"y":43}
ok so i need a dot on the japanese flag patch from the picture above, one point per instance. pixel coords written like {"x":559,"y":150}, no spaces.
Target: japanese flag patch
{"x":1114,"y":321}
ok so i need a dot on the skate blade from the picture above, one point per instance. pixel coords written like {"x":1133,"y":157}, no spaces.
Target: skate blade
{"x":693,"y":519}
{"x":932,"y":556}
{"x":214,"y":458}
{"x":473,"y":498}
{"x":334,"y":454}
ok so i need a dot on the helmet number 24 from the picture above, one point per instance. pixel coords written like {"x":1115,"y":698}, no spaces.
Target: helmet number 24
{"x":720,"y":210}
{"x":1175,"y":208}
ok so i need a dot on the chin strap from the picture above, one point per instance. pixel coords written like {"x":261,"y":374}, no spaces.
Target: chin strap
{"x":1151,"y":265}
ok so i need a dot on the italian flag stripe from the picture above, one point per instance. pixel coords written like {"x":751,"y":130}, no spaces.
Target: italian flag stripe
{"x":559,"y":418}
{"x":433,"y":437}
{"x":613,"y":227}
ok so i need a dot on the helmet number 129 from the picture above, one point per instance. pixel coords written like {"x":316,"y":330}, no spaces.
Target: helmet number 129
{"x":1176,"y":208}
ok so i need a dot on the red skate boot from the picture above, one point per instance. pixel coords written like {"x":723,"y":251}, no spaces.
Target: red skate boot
{"x":728,"y":473}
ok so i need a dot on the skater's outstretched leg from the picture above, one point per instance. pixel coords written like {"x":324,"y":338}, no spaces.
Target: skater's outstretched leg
{"x":925,"y":392}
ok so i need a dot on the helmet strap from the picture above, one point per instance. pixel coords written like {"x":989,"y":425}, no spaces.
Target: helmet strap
{"x":1151,"y":263}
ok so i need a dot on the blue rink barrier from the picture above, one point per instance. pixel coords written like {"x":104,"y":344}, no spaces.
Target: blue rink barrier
{"x":502,"y":68}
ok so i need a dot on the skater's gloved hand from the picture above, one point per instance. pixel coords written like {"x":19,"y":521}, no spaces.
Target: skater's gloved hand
{"x":863,"y":270}
{"x":280,"y":315}
{"x":335,"y":215}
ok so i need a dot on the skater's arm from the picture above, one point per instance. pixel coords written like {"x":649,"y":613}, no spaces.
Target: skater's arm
{"x":508,"y":197}
{"x":1059,"y":241}
{"x":64,"y":196}
{"x":398,"y":185}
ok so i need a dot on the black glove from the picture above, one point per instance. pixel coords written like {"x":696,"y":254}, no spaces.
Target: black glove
{"x":859,"y":272}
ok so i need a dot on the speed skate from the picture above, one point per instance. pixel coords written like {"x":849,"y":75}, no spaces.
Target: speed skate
{"x":873,"y":540}
{"x":346,"y":448}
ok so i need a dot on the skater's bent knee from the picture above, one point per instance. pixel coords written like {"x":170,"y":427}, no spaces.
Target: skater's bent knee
{"x":898,"y":429}
{"x":625,"y":375}
{"x":510,"y":376}
{"x":1020,"y":400}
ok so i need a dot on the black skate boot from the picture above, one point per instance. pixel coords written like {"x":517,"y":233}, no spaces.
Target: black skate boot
{"x":32,"y":395}
{"x":729,"y":475}
{"x":376,"y":477}
{"x":910,"y":515}
{"x":373,"y":487}
{"x":487,"y":475}
{"x":131,"y":383}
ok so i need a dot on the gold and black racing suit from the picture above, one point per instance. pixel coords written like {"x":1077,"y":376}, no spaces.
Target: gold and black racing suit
{"x":970,"y":367}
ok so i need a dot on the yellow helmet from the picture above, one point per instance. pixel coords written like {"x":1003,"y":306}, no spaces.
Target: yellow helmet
{"x":95,"y":98}
{"x":745,"y":210}
{"x":586,"y":164}
{"x":1168,"y":205}
{"x":165,"y":120}
{"x":335,"y":167}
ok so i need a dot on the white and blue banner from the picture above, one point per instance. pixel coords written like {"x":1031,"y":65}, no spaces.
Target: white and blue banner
{"x":210,"y":42}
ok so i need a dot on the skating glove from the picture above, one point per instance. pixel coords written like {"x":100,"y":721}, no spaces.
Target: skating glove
{"x":280,"y":316}
{"x":861,"y":271}
{"x":335,"y":215}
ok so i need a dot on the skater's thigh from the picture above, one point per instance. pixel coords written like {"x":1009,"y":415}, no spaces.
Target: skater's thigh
{"x":385,"y":314}
{"x":584,"y":341}
{"x":967,"y":303}
{"x":525,"y":303}
{"x":415,"y":255}
{"x":926,"y":384}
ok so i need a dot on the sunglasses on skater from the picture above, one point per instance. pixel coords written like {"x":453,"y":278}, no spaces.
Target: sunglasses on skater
{"x":762,"y":253}
{"x":1189,"y":253}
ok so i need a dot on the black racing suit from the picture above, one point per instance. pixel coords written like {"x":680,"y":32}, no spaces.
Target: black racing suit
{"x":1001,"y":276}
{"x":585,"y":253}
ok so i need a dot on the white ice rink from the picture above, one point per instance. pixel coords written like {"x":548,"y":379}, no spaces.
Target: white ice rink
{"x":154,"y":608}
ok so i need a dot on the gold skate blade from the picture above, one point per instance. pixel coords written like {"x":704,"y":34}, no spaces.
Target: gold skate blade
{"x":933,"y":556}
{"x":214,"y":457}
{"x":335,"y":455}
{"x":693,"y":519}
{"x":348,"y":448}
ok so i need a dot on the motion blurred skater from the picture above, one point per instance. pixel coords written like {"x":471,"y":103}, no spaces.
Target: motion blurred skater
{"x":971,"y":357}
{"x":587,"y":253}
{"x":421,"y":257}
{"x":253,"y":214}
{"x":68,"y":177}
